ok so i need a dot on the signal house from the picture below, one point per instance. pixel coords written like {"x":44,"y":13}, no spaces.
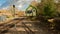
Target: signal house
{"x":31,"y":11}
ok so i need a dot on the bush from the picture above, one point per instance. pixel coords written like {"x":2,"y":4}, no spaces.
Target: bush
{"x":48,"y":11}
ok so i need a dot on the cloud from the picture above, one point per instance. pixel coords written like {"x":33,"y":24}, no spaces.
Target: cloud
{"x":24,"y":3}
{"x":17,"y":3}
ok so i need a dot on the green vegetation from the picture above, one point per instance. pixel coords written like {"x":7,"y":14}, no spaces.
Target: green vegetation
{"x":48,"y":10}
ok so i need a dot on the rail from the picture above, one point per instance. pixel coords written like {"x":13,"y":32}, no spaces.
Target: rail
{"x":29,"y":31}
{"x":7,"y":26}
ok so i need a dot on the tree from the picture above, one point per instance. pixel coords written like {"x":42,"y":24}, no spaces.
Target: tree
{"x":46,"y":8}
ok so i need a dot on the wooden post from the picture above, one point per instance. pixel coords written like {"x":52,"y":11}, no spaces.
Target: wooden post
{"x":14,"y":10}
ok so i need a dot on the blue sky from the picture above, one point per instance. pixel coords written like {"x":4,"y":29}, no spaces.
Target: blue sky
{"x":1,"y":2}
{"x":20,"y":4}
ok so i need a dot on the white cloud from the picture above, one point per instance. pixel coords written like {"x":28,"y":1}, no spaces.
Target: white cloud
{"x":20,"y":6}
{"x":5,"y":7}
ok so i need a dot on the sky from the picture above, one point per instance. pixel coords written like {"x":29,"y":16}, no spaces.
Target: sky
{"x":20,"y":4}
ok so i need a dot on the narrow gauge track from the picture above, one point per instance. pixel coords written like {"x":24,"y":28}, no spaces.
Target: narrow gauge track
{"x":4,"y":28}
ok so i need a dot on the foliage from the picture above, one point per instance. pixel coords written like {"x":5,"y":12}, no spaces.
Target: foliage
{"x":48,"y":11}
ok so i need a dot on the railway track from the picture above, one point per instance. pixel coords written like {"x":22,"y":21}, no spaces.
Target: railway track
{"x":17,"y":26}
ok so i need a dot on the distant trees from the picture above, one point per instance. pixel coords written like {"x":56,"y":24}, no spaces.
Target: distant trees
{"x":47,"y":8}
